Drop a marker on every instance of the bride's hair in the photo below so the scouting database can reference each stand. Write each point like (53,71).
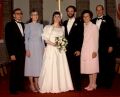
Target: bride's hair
(56,13)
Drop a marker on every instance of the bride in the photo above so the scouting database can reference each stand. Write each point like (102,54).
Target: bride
(55,76)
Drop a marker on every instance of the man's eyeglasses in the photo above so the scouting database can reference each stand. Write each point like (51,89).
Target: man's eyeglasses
(19,13)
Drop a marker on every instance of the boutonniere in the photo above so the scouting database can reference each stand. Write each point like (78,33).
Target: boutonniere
(75,24)
(103,20)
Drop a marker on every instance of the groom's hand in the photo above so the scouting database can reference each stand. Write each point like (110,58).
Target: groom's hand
(77,53)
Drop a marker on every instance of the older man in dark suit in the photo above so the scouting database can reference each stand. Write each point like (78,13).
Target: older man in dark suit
(74,35)
(106,47)
(14,38)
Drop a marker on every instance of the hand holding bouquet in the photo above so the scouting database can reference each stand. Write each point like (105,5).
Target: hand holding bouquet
(61,43)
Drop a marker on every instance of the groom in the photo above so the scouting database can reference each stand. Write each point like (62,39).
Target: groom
(74,35)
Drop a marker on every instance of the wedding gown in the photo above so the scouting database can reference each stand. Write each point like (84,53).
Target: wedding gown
(55,75)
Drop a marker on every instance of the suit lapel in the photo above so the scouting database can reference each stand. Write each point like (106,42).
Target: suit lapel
(102,23)
(66,31)
(23,28)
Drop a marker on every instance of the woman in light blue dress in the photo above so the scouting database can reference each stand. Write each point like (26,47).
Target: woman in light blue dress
(34,50)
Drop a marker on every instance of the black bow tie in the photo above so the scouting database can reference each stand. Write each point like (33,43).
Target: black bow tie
(99,18)
(19,22)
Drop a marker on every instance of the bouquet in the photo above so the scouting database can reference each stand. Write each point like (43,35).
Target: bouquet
(61,43)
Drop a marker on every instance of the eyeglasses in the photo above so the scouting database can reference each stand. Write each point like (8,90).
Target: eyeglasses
(19,13)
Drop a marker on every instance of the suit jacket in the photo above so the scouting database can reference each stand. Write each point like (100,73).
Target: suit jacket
(106,33)
(14,39)
(75,37)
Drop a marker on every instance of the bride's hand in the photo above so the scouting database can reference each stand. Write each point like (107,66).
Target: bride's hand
(50,43)
(54,44)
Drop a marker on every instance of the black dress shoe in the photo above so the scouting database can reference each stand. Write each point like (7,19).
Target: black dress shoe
(13,92)
(22,89)
(107,86)
(77,89)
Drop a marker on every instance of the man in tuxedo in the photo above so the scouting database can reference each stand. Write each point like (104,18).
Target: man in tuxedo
(106,47)
(14,38)
(74,35)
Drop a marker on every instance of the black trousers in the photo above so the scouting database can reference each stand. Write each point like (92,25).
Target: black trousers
(107,70)
(74,66)
(16,81)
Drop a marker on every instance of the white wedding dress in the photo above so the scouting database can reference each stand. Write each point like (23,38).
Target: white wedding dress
(55,76)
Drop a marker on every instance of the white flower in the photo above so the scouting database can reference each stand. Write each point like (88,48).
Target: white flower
(104,20)
(75,24)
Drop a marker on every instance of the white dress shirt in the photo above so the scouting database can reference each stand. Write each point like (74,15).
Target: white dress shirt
(20,27)
(98,22)
(69,24)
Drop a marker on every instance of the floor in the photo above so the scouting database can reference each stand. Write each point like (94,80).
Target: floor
(99,92)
